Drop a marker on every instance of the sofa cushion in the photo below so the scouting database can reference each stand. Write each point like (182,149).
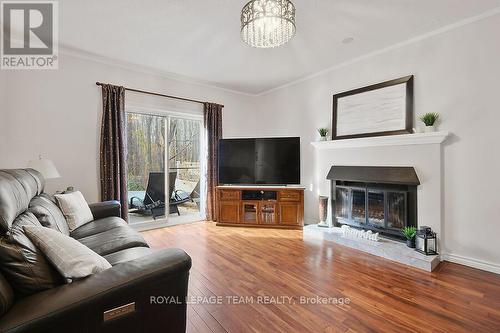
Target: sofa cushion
(127,255)
(75,209)
(17,188)
(47,212)
(98,226)
(71,258)
(6,295)
(22,263)
(113,240)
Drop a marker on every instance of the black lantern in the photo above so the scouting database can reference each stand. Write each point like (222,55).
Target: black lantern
(426,241)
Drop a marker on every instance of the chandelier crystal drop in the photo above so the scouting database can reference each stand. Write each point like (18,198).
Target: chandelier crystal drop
(267,23)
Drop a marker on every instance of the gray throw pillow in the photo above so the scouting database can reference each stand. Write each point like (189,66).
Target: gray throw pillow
(75,209)
(71,258)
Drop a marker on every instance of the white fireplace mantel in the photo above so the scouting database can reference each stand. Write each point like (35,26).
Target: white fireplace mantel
(381,141)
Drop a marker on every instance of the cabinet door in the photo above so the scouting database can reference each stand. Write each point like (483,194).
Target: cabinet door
(289,213)
(229,212)
(268,213)
(250,212)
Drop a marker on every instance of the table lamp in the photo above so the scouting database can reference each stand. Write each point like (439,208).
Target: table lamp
(45,167)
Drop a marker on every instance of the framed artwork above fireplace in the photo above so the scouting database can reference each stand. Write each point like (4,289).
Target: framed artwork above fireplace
(381,109)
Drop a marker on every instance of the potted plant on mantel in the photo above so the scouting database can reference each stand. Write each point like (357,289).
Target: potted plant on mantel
(430,119)
(409,233)
(323,133)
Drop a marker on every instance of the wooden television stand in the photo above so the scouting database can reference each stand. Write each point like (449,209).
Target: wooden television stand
(261,206)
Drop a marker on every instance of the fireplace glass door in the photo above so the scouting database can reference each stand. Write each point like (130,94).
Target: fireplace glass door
(396,210)
(358,205)
(376,208)
(343,203)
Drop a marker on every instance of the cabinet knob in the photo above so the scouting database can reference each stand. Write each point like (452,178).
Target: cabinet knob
(261,192)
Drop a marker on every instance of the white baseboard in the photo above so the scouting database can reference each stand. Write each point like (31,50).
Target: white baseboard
(474,263)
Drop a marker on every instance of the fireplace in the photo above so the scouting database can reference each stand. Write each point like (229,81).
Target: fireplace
(381,199)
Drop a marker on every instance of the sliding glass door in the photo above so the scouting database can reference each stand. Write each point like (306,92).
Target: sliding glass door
(164,167)
(184,168)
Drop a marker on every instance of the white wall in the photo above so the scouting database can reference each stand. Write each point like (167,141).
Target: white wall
(58,114)
(456,74)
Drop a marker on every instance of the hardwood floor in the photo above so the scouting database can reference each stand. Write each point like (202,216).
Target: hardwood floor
(384,296)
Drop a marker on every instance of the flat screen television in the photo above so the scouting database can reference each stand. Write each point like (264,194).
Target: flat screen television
(267,161)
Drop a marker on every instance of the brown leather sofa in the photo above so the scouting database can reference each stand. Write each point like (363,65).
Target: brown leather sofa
(33,296)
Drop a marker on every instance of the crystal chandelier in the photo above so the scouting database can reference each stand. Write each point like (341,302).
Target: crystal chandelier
(267,23)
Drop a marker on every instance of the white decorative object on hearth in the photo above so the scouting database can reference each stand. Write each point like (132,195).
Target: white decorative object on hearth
(357,233)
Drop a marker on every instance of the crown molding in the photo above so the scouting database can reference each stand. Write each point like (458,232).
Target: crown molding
(84,55)
(413,40)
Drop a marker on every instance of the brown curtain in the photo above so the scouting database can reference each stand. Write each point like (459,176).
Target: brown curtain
(212,116)
(113,165)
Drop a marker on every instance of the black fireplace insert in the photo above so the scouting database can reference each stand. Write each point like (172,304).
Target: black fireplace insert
(381,199)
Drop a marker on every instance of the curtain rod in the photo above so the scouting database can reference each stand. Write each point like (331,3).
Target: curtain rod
(161,95)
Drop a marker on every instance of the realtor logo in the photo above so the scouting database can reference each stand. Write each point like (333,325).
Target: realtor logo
(29,35)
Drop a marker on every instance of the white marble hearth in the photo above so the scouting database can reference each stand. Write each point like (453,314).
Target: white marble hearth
(385,248)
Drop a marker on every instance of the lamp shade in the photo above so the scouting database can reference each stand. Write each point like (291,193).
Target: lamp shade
(45,167)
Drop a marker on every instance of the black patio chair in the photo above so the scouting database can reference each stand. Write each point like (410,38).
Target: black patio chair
(154,199)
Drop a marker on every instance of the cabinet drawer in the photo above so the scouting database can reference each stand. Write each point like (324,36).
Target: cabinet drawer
(289,196)
(229,194)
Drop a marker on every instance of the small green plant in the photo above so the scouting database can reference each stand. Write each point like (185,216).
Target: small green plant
(323,132)
(430,118)
(409,232)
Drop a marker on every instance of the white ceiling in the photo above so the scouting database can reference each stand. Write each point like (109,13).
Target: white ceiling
(200,38)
